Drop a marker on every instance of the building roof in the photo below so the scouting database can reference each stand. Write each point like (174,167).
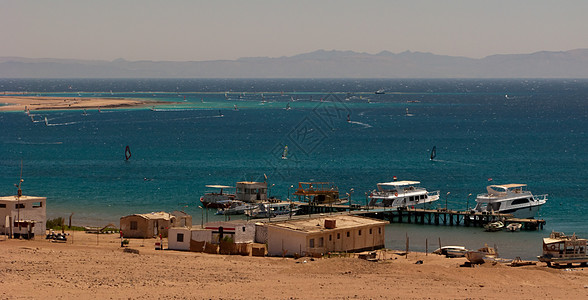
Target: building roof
(22,198)
(153,216)
(318,224)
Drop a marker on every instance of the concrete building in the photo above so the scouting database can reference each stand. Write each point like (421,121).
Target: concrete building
(153,224)
(325,234)
(23,216)
(249,191)
(180,238)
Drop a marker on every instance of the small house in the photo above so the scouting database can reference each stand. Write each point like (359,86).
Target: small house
(184,238)
(152,224)
(239,231)
(325,234)
(23,216)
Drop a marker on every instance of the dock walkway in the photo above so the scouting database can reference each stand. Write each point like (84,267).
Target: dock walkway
(422,216)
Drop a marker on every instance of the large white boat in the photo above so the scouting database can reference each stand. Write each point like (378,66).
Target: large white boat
(235,207)
(217,199)
(509,199)
(246,191)
(272,209)
(398,194)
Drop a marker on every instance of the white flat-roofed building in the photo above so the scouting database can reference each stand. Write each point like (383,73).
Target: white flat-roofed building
(249,191)
(23,216)
(325,234)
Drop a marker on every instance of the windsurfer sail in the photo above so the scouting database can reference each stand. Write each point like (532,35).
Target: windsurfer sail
(433,152)
(46,122)
(127,152)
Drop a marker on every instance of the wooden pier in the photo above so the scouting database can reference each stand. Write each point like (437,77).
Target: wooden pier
(423,216)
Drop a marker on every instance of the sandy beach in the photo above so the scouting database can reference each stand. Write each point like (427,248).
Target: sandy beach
(95,266)
(18,103)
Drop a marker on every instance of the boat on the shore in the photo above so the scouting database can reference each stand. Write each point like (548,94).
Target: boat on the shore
(217,199)
(482,254)
(401,194)
(451,251)
(509,199)
(560,249)
(380,92)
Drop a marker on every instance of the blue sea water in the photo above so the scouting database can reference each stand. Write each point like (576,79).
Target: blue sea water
(510,131)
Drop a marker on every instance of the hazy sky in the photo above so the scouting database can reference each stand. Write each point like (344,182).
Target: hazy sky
(208,30)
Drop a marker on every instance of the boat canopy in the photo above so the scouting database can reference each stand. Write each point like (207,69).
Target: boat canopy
(216,186)
(400,183)
(316,188)
(503,188)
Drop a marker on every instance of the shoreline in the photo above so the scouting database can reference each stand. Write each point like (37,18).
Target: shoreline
(44,103)
(95,265)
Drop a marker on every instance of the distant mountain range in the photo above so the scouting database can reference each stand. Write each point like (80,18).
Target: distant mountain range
(317,64)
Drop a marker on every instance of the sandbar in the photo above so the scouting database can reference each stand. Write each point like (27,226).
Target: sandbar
(95,266)
(19,103)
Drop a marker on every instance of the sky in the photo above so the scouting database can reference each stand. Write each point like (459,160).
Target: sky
(183,30)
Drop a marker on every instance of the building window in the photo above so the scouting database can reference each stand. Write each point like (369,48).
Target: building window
(359,232)
(243,228)
(180,237)
(338,236)
(37,204)
(321,242)
(330,237)
(2,205)
(347,233)
(20,205)
(134,225)
(311,243)
(379,230)
(370,231)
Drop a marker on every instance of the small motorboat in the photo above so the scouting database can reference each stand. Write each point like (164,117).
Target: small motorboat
(512,227)
(494,226)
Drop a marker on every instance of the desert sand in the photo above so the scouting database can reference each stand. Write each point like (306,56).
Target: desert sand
(95,266)
(18,103)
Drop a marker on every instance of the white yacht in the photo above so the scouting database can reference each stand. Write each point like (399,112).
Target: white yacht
(246,191)
(510,199)
(217,199)
(271,210)
(397,194)
(235,207)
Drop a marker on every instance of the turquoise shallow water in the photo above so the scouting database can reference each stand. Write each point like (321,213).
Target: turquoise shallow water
(513,131)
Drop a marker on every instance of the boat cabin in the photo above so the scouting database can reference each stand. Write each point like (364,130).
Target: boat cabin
(561,249)
(249,191)
(317,192)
